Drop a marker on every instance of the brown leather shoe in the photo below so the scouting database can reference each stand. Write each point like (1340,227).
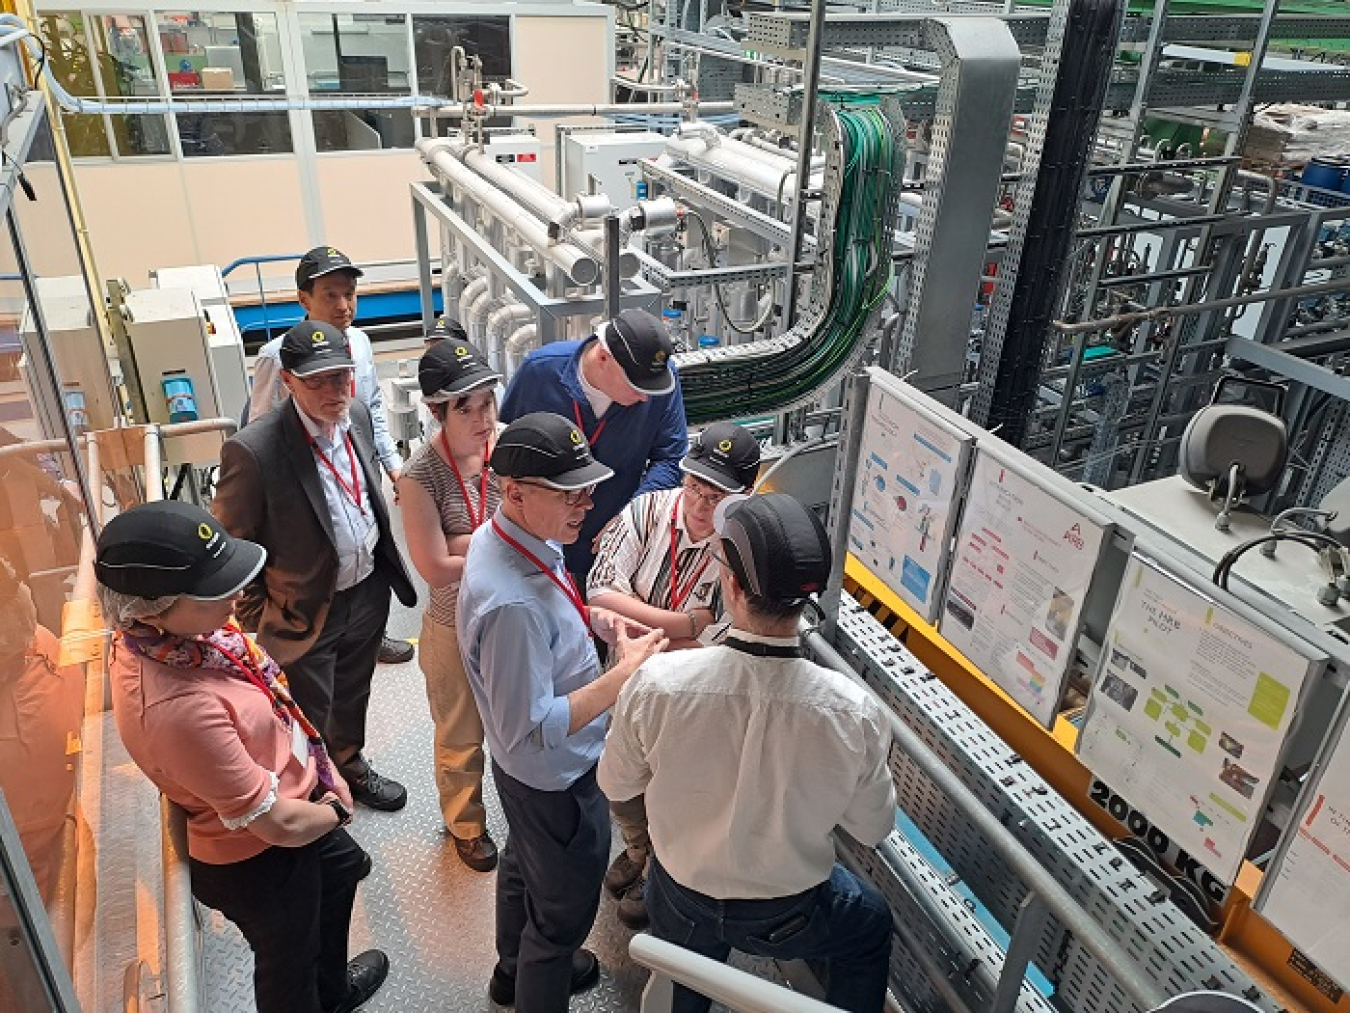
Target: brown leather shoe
(478,853)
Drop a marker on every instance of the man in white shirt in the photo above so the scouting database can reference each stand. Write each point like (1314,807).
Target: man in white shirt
(749,756)
(325,282)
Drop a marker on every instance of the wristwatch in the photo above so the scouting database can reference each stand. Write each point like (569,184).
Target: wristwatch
(344,814)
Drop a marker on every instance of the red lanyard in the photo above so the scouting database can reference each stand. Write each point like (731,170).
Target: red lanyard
(594,438)
(353,491)
(278,708)
(569,589)
(475,521)
(678,595)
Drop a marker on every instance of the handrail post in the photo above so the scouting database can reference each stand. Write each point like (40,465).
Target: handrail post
(1032,914)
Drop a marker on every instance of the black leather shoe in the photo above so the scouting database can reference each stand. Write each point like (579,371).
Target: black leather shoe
(376,792)
(365,975)
(367,864)
(395,652)
(478,853)
(585,973)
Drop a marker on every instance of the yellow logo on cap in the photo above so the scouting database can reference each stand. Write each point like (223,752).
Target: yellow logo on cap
(318,338)
(576,438)
(659,359)
(724,446)
(461,351)
(333,253)
(204,532)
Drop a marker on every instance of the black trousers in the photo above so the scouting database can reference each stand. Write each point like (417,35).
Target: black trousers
(294,906)
(548,884)
(331,683)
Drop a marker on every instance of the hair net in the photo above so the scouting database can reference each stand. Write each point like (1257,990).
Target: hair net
(122,610)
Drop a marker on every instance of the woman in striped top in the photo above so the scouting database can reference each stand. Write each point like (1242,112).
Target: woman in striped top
(446,491)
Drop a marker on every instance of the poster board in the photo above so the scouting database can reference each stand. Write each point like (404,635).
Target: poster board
(1190,711)
(912,466)
(1021,570)
(1306,892)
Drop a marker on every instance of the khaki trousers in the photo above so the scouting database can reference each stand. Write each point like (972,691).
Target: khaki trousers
(459,731)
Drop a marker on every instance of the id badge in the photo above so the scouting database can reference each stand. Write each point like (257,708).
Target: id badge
(299,744)
(372,539)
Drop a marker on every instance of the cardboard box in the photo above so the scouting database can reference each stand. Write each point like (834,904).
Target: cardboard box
(218,79)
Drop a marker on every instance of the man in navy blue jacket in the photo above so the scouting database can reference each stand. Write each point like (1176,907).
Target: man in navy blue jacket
(621,390)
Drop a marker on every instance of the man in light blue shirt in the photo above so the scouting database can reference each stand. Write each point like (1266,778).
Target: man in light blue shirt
(525,635)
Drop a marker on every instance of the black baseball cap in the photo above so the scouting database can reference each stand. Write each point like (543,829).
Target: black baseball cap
(547,447)
(452,368)
(320,261)
(445,327)
(168,548)
(312,346)
(776,547)
(643,348)
(724,455)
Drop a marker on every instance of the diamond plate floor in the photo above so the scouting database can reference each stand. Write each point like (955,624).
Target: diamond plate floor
(431,914)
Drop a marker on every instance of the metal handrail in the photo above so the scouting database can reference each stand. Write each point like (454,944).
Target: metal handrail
(1044,891)
(733,988)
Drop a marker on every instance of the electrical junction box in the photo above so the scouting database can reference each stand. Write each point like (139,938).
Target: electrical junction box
(225,343)
(516,150)
(611,159)
(80,358)
(167,333)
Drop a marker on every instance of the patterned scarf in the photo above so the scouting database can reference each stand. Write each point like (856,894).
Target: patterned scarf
(217,652)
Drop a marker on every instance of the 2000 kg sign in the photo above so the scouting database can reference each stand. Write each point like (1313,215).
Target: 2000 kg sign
(1158,842)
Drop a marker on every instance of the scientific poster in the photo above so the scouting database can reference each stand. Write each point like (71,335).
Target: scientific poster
(1023,563)
(1307,894)
(1189,714)
(909,469)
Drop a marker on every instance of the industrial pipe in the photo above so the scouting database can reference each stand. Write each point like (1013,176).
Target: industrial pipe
(517,345)
(561,215)
(475,318)
(500,323)
(1158,312)
(470,295)
(456,110)
(579,266)
(751,167)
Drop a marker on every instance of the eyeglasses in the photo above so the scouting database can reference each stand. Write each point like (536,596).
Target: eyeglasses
(339,379)
(711,498)
(569,496)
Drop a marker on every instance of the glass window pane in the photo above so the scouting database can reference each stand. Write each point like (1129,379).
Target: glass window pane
(207,51)
(362,54)
(207,134)
(434,39)
(140,135)
(42,517)
(63,35)
(363,129)
(124,60)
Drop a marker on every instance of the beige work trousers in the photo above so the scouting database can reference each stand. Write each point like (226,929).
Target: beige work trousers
(459,731)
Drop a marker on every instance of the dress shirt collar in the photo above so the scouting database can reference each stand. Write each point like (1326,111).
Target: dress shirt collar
(756,638)
(315,430)
(548,551)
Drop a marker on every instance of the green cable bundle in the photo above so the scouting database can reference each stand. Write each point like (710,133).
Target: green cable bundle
(852,277)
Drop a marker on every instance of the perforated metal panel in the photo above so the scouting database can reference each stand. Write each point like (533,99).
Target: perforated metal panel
(1169,949)
(951,934)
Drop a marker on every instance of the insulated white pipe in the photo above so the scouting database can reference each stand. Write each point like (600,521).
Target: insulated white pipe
(581,267)
(471,294)
(542,112)
(521,340)
(477,313)
(501,322)
(739,162)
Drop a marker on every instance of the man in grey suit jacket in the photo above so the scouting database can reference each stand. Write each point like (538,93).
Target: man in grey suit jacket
(304,482)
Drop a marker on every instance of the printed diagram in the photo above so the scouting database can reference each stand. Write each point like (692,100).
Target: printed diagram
(906,478)
(1180,719)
